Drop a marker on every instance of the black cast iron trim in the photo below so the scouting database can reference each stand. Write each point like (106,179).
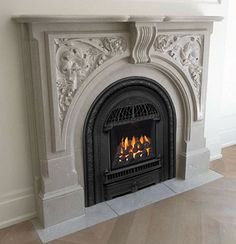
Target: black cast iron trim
(91,117)
(131,114)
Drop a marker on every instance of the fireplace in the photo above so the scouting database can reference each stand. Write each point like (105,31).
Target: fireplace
(129,139)
(115,104)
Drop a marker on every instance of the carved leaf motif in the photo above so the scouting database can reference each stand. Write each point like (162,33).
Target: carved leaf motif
(114,45)
(186,50)
(76,59)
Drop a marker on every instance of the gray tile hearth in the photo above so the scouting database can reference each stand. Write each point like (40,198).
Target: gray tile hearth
(124,204)
(180,185)
(139,199)
(93,215)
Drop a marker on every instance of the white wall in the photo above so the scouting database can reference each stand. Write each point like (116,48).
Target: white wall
(221,103)
(216,68)
(16,191)
(228,95)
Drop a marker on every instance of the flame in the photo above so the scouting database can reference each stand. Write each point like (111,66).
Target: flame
(133,141)
(146,139)
(126,143)
(137,148)
(141,140)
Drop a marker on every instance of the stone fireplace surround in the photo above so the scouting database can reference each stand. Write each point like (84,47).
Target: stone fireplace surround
(70,60)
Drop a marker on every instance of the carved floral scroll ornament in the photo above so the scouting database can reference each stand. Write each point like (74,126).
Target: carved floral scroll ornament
(76,59)
(185,50)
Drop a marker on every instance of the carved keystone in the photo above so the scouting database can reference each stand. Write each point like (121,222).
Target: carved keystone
(143,37)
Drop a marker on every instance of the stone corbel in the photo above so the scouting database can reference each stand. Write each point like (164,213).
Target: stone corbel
(143,37)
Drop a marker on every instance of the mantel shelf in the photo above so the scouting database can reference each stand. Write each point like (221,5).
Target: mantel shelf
(114,18)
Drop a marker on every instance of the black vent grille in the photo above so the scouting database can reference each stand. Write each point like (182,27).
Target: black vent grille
(130,113)
(132,171)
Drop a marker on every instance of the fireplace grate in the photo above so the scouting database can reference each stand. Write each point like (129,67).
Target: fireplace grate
(131,171)
(131,113)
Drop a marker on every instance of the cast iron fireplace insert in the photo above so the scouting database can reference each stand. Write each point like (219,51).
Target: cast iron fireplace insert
(129,137)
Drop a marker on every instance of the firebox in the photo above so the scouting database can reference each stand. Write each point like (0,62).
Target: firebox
(129,138)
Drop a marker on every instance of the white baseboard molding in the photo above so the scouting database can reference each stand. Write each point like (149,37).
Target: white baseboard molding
(17,220)
(228,137)
(229,144)
(215,157)
(16,207)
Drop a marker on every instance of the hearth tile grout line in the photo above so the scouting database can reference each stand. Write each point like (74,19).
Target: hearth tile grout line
(170,188)
(112,209)
(171,194)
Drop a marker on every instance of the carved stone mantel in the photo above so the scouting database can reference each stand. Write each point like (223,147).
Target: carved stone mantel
(69,60)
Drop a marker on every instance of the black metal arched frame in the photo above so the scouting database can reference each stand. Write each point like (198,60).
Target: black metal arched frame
(142,82)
